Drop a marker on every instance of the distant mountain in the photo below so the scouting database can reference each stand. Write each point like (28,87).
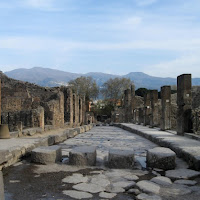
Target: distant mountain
(53,77)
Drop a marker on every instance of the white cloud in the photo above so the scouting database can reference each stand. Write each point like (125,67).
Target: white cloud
(145,2)
(184,64)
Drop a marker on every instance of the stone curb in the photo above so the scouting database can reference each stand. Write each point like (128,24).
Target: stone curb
(190,153)
(10,156)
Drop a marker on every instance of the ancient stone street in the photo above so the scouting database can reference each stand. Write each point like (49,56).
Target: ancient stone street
(63,181)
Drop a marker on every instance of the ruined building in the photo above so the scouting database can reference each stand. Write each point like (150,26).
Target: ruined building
(180,112)
(25,105)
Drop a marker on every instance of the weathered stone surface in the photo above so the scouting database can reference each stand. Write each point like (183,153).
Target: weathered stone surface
(77,195)
(161,180)
(162,158)
(175,189)
(185,182)
(75,178)
(89,187)
(121,159)
(134,191)
(144,196)
(182,174)
(149,187)
(4,156)
(2,197)
(100,180)
(85,155)
(124,184)
(45,155)
(107,195)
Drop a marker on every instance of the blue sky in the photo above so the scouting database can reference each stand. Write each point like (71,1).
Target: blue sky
(158,37)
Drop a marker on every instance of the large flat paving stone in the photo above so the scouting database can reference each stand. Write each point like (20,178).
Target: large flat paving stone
(162,158)
(84,155)
(144,196)
(45,155)
(182,174)
(148,186)
(121,159)
(77,195)
(161,180)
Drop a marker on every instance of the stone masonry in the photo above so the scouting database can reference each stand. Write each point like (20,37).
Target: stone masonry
(128,105)
(184,102)
(147,109)
(165,123)
(0,101)
(154,108)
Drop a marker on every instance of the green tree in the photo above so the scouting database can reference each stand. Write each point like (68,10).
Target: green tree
(141,92)
(85,86)
(114,88)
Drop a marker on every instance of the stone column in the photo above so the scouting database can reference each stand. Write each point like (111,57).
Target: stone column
(147,109)
(69,107)
(127,105)
(2,197)
(132,98)
(141,116)
(154,108)
(0,101)
(166,108)
(83,110)
(76,109)
(80,110)
(184,103)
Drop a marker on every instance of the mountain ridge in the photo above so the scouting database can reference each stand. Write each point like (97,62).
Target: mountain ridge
(53,77)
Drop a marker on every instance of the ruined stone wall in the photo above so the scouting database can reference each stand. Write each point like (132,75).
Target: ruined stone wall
(20,99)
(0,101)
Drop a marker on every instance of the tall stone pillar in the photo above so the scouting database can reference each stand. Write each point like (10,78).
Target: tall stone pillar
(147,109)
(166,108)
(127,105)
(0,101)
(141,116)
(77,110)
(83,109)
(184,103)
(154,108)
(132,98)
(74,109)
(80,110)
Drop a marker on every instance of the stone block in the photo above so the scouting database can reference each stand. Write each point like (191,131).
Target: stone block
(162,158)
(2,197)
(45,155)
(85,155)
(121,159)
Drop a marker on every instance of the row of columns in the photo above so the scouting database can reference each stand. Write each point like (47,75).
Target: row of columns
(149,114)
(75,108)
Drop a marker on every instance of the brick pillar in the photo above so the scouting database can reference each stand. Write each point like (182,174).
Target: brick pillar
(80,110)
(154,108)
(147,109)
(127,105)
(166,108)
(184,103)
(0,101)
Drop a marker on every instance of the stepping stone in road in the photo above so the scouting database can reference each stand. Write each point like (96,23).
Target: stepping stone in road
(121,159)
(162,158)
(83,156)
(45,155)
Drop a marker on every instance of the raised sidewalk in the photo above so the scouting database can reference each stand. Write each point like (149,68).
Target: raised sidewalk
(188,149)
(11,150)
